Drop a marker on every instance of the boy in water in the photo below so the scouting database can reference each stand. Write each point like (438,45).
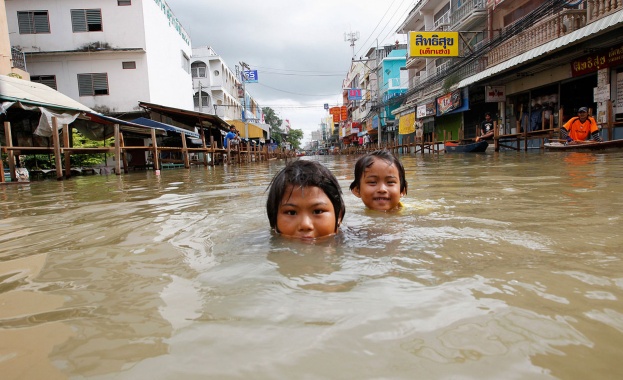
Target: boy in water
(305,201)
(379,181)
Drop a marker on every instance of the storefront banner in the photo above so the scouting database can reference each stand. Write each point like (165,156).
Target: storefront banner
(448,102)
(344,113)
(494,94)
(354,94)
(336,112)
(426,109)
(406,124)
(421,111)
(594,62)
(433,44)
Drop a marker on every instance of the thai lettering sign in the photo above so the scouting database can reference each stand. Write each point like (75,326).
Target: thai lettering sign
(426,109)
(433,44)
(406,124)
(336,112)
(344,113)
(594,62)
(354,94)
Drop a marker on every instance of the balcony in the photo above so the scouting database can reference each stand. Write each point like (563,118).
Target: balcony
(395,84)
(598,9)
(469,14)
(547,30)
(443,23)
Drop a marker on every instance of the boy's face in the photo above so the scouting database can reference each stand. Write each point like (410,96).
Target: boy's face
(306,213)
(379,188)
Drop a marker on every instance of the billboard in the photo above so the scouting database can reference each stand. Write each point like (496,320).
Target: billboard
(354,94)
(250,76)
(433,44)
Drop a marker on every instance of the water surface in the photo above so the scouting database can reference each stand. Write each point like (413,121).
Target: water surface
(500,266)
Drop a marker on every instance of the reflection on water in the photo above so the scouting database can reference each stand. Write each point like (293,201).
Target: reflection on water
(500,266)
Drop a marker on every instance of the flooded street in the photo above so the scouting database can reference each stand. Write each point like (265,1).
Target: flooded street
(504,265)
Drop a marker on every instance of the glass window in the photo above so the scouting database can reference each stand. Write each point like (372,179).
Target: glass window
(129,65)
(198,69)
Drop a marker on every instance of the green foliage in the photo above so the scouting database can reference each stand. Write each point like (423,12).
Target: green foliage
(271,118)
(294,138)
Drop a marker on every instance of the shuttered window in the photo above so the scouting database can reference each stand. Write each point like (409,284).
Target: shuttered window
(48,80)
(86,20)
(92,84)
(129,65)
(33,22)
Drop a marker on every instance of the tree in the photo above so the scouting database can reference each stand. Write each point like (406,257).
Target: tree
(294,138)
(271,118)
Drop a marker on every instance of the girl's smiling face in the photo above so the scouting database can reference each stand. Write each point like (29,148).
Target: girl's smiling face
(379,188)
(306,213)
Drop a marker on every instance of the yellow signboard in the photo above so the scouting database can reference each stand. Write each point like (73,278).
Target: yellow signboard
(406,124)
(433,44)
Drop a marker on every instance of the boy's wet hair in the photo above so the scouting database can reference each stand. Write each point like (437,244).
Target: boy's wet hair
(366,161)
(304,173)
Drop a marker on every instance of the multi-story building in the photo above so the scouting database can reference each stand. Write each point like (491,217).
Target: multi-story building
(107,55)
(530,63)
(12,61)
(220,91)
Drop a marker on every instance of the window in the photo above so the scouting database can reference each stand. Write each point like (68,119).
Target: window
(185,62)
(48,80)
(86,20)
(205,100)
(33,22)
(198,69)
(124,2)
(92,84)
(128,65)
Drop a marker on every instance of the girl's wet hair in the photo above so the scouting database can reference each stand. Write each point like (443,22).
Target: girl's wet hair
(366,161)
(304,173)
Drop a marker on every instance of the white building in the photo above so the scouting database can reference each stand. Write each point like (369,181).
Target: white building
(215,85)
(107,55)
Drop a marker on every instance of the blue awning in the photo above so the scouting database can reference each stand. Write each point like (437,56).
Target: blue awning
(167,127)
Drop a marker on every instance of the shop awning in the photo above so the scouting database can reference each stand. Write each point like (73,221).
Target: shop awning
(548,48)
(167,127)
(255,129)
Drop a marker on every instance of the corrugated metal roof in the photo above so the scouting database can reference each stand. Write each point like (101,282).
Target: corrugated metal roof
(549,47)
(156,124)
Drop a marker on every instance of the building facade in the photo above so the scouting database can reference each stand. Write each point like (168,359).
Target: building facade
(107,55)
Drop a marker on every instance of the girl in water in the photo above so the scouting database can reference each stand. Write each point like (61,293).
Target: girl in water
(379,181)
(305,201)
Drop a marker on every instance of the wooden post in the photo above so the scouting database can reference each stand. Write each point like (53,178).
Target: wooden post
(185,151)
(66,153)
(57,149)
(213,150)
(124,157)
(205,148)
(9,143)
(609,118)
(228,153)
(496,137)
(154,145)
(117,151)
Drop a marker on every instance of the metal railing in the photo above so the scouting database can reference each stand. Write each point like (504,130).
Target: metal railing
(18,58)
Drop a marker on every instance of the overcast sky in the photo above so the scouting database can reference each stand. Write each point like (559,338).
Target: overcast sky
(297,46)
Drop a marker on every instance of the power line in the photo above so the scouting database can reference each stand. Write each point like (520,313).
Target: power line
(294,93)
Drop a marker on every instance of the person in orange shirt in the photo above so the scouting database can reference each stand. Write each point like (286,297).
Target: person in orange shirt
(580,128)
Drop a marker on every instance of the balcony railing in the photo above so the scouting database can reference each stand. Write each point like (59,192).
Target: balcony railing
(601,8)
(18,58)
(442,23)
(549,29)
(467,9)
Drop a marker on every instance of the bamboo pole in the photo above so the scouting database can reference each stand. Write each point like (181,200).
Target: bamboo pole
(11,158)
(57,149)
(117,151)
(67,154)
(154,145)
